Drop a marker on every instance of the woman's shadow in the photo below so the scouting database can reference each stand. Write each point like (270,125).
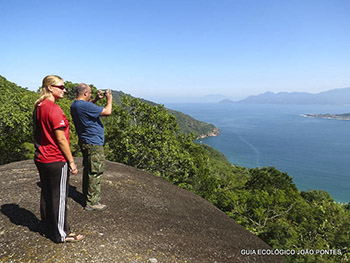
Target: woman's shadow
(23,217)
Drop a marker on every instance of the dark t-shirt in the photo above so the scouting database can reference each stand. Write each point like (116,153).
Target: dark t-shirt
(87,123)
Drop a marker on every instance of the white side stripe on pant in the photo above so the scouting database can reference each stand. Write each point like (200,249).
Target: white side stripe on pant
(62,203)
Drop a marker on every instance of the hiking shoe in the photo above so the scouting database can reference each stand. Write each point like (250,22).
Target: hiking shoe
(98,207)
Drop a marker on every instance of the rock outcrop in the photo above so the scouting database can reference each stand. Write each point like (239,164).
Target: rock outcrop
(148,220)
(213,133)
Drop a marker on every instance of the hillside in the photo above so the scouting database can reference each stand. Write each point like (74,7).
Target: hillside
(331,97)
(187,124)
(148,220)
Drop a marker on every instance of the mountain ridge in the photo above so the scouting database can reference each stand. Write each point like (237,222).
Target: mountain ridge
(339,96)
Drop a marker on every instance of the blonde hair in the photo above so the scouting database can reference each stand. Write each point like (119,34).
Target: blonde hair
(44,91)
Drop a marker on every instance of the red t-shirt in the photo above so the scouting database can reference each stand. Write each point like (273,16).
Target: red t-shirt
(48,117)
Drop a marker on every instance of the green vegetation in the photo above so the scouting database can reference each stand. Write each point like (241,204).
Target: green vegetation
(265,201)
(186,123)
(16,107)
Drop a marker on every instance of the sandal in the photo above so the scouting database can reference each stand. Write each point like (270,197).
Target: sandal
(72,237)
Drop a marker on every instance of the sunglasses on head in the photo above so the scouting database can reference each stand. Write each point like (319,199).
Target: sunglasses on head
(62,87)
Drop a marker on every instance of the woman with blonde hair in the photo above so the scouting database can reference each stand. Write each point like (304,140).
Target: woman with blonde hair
(53,159)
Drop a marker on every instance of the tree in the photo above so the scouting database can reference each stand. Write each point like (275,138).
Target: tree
(16,109)
(145,137)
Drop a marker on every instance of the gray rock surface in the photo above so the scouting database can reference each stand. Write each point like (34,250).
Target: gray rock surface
(147,220)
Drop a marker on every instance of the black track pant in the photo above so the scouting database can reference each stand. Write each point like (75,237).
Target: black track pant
(54,179)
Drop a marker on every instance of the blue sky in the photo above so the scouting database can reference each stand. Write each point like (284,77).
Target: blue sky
(163,50)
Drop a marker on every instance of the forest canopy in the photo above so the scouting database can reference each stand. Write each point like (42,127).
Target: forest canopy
(145,135)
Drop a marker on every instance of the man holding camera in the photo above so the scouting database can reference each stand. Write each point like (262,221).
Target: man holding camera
(90,130)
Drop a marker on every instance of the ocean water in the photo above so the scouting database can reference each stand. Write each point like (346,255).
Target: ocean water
(314,152)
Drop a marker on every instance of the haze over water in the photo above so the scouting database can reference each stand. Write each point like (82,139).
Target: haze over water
(315,152)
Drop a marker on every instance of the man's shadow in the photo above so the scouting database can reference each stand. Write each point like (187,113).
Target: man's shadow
(72,193)
(23,217)
(76,195)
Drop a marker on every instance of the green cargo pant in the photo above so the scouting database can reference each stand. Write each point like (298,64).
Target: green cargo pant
(93,163)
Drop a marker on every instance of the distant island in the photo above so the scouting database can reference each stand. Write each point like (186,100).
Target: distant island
(343,116)
(331,97)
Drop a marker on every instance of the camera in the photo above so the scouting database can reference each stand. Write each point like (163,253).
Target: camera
(103,93)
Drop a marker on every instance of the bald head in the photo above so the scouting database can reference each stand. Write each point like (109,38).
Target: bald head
(83,91)
(82,87)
